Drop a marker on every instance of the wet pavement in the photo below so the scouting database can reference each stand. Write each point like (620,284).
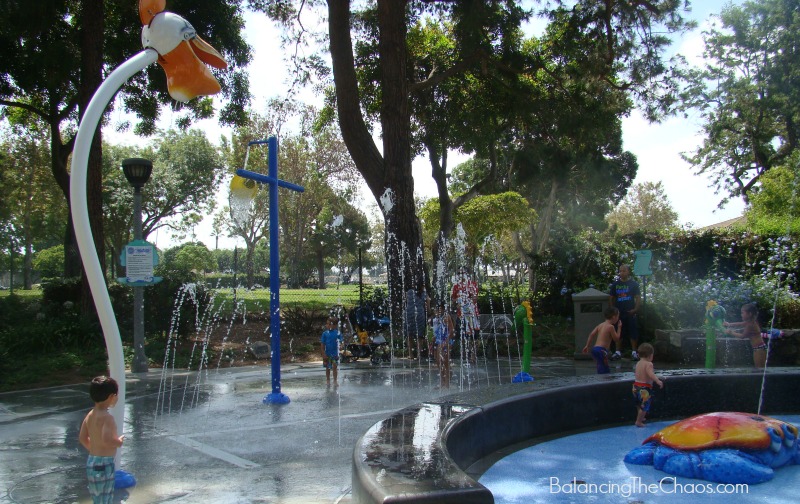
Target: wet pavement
(207,437)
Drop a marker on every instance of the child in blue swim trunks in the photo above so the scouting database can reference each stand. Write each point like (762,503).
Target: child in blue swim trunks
(605,332)
(644,377)
(99,436)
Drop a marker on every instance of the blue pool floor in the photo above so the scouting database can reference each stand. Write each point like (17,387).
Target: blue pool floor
(589,467)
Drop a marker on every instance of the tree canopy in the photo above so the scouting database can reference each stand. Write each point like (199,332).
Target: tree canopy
(773,206)
(56,55)
(645,208)
(395,71)
(748,94)
(187,171)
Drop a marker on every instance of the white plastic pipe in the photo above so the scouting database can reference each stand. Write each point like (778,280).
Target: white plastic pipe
(80,219)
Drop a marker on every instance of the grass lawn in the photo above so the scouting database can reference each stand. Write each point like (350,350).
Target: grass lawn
(28,294)
(311,299)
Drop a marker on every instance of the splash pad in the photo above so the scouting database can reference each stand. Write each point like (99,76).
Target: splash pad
(468,429)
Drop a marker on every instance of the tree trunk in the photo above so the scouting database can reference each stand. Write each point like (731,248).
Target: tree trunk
(248,261)
(389,176)
(446,207)
(91,43)
(320,269)
(27,267)
(27,263)
(59,154)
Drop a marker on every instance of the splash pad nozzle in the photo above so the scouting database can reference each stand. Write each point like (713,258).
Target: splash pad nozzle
(523,317)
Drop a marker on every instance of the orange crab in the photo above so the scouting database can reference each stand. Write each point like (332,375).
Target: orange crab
(723,447)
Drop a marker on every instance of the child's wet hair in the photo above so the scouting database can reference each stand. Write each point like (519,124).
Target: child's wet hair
(610,312)
(751,308)
(645,350)
(103,387)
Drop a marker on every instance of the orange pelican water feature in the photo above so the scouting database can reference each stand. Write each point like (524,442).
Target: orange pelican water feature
(181,52)
(172,42)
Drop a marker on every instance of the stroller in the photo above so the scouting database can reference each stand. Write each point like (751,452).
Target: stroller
(369,340)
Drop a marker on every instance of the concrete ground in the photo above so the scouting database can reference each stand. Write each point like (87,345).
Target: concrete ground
(208,438)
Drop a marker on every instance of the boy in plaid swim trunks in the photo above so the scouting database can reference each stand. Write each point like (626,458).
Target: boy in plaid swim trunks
(644,376)
(99,436)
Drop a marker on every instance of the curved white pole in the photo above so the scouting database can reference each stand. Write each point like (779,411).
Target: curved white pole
(80,219)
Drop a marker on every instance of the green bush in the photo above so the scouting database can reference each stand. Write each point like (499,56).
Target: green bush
(682,305)
(50,262)
(57,291)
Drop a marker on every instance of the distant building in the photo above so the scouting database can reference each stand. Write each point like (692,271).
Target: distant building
(740,221)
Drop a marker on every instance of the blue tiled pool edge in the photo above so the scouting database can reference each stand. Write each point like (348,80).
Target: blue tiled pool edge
(419,454)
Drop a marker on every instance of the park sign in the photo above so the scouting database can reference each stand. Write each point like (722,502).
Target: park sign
(641,266)
(139,259)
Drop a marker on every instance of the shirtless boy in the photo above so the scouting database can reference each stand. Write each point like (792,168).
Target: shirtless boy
(644,377)
(605,332)
(99,436)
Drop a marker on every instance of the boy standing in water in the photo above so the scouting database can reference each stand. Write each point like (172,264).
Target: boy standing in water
(749,328)
(330,349)
(605,332)
(99,435)
(644,376)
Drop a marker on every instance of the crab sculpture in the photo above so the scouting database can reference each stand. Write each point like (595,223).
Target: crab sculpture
(721,447)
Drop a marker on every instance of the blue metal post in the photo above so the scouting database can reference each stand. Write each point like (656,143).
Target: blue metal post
(276,397)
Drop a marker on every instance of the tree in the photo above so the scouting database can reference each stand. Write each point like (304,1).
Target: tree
(748,95)
(61,49)
(195,258)
(645,208)
(36,209)
(315,158)
(570,189)
(774,206)
(187,171)
(387,172)
(485,221)
(224,258)
(337,232)
(320,162)
(117,201)
(603,35)
(50,262)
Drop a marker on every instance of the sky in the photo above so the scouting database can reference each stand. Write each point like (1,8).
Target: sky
(656,146)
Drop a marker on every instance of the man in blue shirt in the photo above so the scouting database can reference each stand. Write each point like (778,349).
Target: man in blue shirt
(625,296)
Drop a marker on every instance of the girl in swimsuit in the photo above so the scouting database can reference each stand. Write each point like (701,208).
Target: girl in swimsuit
(749,328)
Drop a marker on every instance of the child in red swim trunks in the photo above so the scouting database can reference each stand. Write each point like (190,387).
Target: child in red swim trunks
(644,376)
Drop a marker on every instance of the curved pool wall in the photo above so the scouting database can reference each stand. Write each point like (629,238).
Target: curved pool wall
(420,454)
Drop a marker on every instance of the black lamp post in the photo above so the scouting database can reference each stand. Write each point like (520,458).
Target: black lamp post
(138,171)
